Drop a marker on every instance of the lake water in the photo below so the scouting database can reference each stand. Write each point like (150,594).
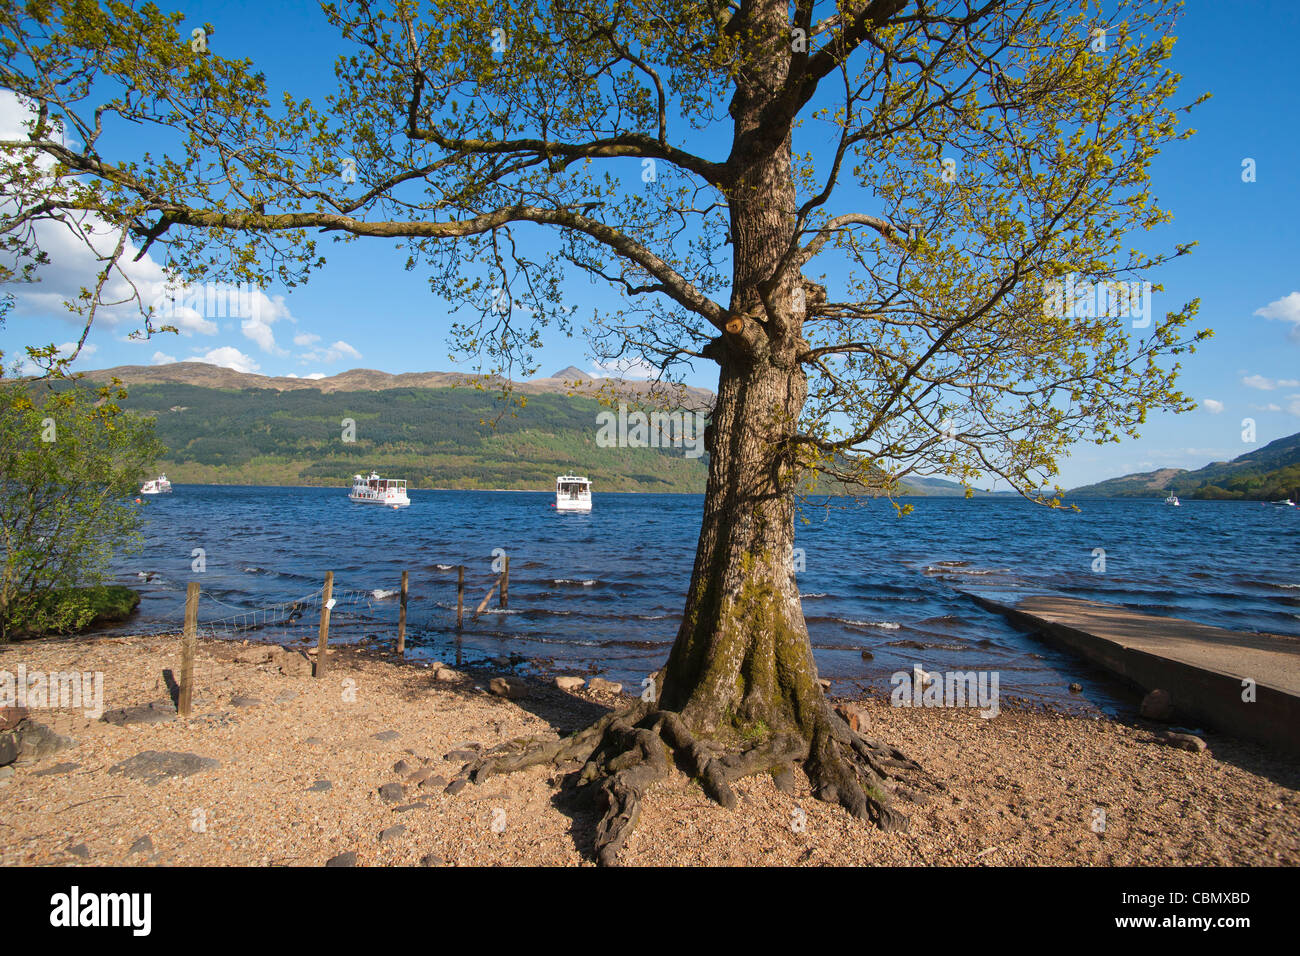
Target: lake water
(602,592)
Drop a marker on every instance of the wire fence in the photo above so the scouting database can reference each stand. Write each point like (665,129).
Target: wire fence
(354,614)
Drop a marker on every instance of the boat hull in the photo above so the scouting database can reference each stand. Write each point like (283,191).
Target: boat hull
(569,505)
(386,502)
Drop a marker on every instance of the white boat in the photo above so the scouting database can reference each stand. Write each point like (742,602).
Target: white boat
(1173,500)
(156,486)
(572,493)
(379,491)
(1285,503)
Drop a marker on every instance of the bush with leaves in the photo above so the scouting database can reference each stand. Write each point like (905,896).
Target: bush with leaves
(69,462)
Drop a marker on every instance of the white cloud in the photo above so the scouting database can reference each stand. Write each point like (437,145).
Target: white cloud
(1285,309)
(627,369)
(228,357)
(1294,406)
(315,375)
(1270,407)
(1212,406)
(267,311)
(74,263)
(333,353)
(73,258)
(162,358)
(304,339)
(1266,384)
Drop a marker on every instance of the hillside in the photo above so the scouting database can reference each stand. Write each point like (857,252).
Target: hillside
(1265,474)
(567,381)
(227,427)
(224,431)
(945,488)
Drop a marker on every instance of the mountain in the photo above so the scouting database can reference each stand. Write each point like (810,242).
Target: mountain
(1265,474)
(943,488)
(567,381)
(229,427)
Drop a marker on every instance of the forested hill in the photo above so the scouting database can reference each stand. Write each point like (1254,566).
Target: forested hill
(1269,473)
(432,437)
(227,427)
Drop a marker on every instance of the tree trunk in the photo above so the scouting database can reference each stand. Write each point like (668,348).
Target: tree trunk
(742,660)
(739,693)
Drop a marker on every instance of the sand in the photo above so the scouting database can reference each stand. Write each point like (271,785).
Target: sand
(1025,787)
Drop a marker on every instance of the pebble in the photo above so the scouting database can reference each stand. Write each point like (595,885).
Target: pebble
(245,702)
(142,845)
(505,687)
(386,735)
(432,859)
(570,683)
(456,786)
(343,859)
(80,850)
(145,714)
(392,833)
(1183,741)
(392,792)
(1157,705)
(418,777)
(320,786)
(153,766)
(58,768)
(601,686)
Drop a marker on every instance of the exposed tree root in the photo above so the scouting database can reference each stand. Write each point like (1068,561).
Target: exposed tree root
(626,751)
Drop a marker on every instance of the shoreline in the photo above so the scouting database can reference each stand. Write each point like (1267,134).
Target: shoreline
(1022,788)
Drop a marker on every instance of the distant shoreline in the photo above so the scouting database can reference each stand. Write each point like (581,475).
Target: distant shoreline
(984,496)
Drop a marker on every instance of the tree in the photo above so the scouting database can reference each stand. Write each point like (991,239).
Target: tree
(68,463)
(863,214)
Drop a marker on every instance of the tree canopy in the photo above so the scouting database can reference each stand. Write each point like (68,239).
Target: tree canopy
(949,161)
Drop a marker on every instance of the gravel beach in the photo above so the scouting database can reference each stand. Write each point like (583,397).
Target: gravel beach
(275,767)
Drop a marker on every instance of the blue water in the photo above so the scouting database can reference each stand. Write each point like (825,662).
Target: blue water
(602,592)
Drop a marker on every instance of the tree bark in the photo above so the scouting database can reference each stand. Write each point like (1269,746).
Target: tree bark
(739,694)
(742,658)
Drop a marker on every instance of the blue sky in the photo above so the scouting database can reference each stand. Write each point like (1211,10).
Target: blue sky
(1245,268)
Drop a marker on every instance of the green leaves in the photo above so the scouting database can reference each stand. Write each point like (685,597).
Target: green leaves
(70,460)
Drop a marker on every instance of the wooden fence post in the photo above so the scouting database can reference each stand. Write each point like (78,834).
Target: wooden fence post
(327,598)
(487,597)
(401,620)
(505,583)
(189,642)
(460,596)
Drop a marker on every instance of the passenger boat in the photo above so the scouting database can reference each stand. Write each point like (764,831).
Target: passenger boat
(379,491)
(1285,503)
(1173,500)
(156,486)
(572,493)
